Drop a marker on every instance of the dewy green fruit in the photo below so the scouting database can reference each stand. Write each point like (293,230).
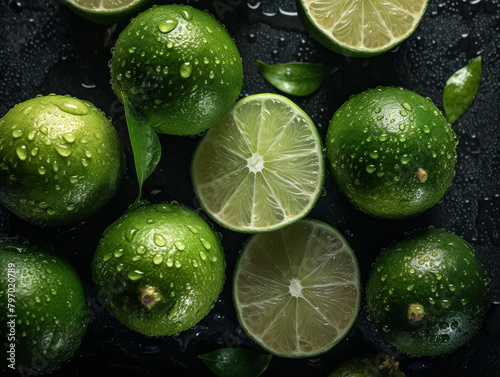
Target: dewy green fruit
(159,269)
(43,309)
(178,67)
(428,294)
(391,152)
(61,160)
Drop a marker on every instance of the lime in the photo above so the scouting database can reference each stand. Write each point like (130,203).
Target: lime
(392,152)
(61,160)
(361,28)
(428,294)
(380,365)
(261,167)
(178,67)
(43,309)
(106,12)
(296,290)
(159,269)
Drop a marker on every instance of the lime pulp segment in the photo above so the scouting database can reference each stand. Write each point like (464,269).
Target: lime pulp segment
(103,5)
(296,290)
(261,167)
(365,25)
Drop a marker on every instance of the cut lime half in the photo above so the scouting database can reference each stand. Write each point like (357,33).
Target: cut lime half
(261,167)
(361,27)
(297,290)
(106,11)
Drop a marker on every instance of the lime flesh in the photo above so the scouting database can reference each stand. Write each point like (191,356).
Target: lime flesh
(361,27)
(296,290)
(261,167)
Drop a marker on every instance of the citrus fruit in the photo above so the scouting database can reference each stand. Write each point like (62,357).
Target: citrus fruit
(296,290)
(261,167)
(61,160)
(159,269)
(43,309)
(391,152)
(428,294)
(106,12)
(178,67)
(361,28)
(380,365)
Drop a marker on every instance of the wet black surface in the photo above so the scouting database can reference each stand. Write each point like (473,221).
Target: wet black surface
(45,48)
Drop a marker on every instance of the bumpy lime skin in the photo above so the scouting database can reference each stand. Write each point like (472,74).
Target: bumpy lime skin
(183,79)
(391,152)
(50,308)
(438,271)
(60,160)
(170,249)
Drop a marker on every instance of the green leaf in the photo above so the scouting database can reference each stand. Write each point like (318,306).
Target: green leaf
(297,78)
(460,89)
(241,362)
(146,146)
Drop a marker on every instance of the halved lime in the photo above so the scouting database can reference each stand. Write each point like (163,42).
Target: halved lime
(106,11)
(296,290)
(361,27)
(261,167)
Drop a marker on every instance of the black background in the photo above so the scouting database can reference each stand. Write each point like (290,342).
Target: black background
(45,48)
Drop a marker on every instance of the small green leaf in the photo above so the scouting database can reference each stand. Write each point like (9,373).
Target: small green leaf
(146,146)
(297,79)
(460,89)
(241,362)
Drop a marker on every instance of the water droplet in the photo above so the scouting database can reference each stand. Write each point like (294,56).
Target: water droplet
(158,259)
(464,301)
(378,110)
(69,137)
(445,303)
(374,154)
(405,159)
(37,300)
(205,243)
(22,152)
(382,137)
(170,263)
(192,229)
(212,74)
(63,150)
(119,267)
(177,264)
(131,50)
(41,170)
(129,235)
(73,179)
(404,113)
(166,26)
(140,249)
(451,287)
(118,253)
(159,240)
(426,128)
(17,133)
(439,276)
(179,245)
(370,168)
(164,208)
(185,70)
(44,130)
(203,255)
(106,257)
(186,15)
(135,275)
(165,70)
(209,30)
(409,288)
(383,277)
(71,106)
(406,106)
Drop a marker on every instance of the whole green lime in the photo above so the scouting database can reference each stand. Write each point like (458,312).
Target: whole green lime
(391,152)
(61,160)
(428,294)
(159,269)
(178,67)
(43,309)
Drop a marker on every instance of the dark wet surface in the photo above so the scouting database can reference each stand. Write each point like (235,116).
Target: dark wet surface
(45,48)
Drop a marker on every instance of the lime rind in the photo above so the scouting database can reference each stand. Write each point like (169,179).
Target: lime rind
(387,35)
(266,278)
(237,164)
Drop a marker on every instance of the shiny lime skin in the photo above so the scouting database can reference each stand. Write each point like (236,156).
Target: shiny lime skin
(169,249)
(178,67)
(49,305)
(61,160)
(391,152)
(428,294)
